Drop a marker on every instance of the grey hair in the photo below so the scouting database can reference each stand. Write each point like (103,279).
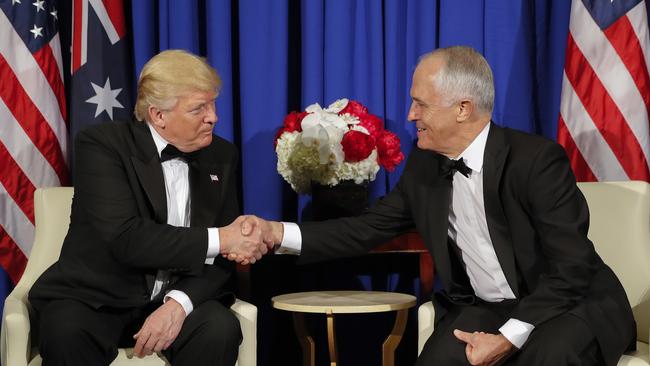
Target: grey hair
(465,74)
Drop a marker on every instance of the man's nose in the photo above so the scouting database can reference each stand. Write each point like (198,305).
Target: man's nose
(412,115)
(211,116)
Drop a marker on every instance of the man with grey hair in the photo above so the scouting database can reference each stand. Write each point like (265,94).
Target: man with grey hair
(154,209)
(505,223)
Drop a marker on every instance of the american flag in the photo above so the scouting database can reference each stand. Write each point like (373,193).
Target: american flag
(604,124)
(33,131)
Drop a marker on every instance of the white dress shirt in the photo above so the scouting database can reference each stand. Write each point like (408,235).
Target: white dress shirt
(177,189)
(468,228)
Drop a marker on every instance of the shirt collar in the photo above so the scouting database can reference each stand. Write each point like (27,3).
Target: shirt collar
(473,154)
(160,142)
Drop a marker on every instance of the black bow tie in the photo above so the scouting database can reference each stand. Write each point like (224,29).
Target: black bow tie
(448,167)
(171,152)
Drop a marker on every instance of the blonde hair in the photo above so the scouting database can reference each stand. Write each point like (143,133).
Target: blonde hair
(169,75)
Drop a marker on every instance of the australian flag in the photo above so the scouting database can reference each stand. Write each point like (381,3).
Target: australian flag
(101,64)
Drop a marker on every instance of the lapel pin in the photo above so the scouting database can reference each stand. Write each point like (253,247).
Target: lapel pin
(214,178)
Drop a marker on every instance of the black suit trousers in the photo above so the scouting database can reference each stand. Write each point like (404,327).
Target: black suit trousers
(72,333)
(562,341)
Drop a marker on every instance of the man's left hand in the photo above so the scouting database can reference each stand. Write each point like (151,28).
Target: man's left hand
(485,349)
(160,329)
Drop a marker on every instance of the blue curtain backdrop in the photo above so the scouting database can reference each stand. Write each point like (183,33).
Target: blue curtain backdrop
(281,55)
(276,56)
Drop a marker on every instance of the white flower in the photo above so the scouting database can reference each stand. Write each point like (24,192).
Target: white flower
(337,106)
(325,131)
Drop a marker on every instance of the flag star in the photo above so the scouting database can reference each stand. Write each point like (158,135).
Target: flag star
(36,31)
(14,2)
(105,98)
(39,5)
(54,13)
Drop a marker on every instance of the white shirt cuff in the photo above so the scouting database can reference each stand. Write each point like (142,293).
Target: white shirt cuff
(214,245)
(516,331)
(182,299)
(292,239)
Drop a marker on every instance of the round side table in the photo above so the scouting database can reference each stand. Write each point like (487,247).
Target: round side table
(345,302)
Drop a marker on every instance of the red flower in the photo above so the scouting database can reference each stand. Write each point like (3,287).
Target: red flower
(372,123)
(357,146)
(388,150)
(292,121)
(354,108)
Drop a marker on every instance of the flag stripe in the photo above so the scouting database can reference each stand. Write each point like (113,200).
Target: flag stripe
(12,258)
(16,183)
(77,42)
(104,18)
(587,137)
(605,114)
(31,120)
(16,224)
(114,8)
(83,26)
(24,67)
(638,17)
(55,45)
(46,61)
(30,160)
(608,67)
(624,41)
(580,166)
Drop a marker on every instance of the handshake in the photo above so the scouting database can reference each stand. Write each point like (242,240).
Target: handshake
(248,238)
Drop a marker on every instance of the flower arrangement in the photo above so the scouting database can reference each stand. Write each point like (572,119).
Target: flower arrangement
(341,142)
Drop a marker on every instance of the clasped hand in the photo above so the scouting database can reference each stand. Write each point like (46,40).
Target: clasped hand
(247,239)
(485,349)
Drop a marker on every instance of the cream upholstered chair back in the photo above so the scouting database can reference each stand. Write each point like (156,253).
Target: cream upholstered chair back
(52,216)
(619,227)
(52,208)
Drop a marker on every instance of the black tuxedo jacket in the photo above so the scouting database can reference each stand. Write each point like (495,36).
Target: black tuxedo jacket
(537,220)
(119,237)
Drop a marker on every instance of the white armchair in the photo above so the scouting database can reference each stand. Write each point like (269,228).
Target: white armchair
(620,230)
(52,213)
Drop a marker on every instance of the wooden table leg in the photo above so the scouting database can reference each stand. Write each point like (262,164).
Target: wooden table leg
(393,339)
(305,340)
(331,339)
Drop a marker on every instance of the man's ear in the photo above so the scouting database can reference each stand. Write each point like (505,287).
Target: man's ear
(156,116)
(465,110)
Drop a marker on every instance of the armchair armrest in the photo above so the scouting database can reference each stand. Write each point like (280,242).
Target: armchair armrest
(247,315)
(15,321)
(426,315)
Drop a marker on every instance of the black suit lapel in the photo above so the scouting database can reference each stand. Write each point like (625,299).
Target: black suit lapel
(496,152)
(146,164)
(435,197)
(205,185)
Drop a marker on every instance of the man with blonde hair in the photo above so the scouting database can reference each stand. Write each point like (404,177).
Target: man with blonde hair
(154,210)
